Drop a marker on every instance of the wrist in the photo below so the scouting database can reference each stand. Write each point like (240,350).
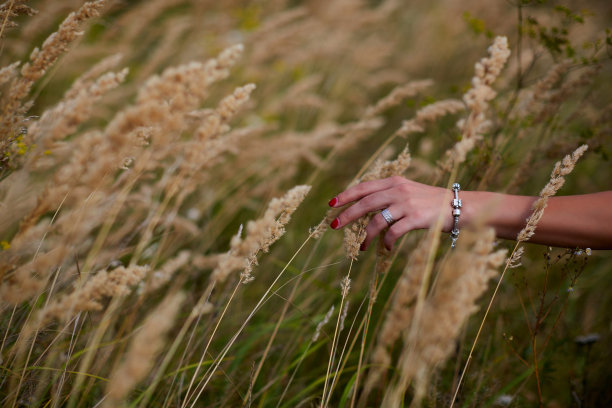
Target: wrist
(506,213)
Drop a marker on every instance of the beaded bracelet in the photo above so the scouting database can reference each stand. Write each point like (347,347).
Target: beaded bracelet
(456,204)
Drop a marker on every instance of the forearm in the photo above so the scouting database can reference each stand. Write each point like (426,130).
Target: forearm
(568,221)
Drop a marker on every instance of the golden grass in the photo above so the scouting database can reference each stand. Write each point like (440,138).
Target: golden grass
(162,161)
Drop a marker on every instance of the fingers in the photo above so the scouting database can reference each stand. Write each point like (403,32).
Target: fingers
(364,189)
(396,194)
(373,202)
(397,230)
(377,224)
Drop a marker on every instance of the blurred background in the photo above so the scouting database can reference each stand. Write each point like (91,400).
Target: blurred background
(319,67)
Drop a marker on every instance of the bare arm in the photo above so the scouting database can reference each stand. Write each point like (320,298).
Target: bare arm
(570,221)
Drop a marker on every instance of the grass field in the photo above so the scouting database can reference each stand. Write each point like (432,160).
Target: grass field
(165,168)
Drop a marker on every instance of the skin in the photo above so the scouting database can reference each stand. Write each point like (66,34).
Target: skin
(583,221)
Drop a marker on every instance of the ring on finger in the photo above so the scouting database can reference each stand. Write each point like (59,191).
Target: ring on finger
(387,216)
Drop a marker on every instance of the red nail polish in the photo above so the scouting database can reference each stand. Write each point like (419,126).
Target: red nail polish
(333,201)
(335,223)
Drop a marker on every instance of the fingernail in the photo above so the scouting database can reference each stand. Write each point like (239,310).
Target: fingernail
(335,224)
(333,201)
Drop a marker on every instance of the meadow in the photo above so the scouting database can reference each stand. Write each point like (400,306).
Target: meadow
(165,172)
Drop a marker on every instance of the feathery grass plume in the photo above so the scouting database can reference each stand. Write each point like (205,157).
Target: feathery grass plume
(322,323)
(13,8)
(354,235)
(400,313)
(97,154)
(30,278)
(184,77)
(209,132)
(556,98)
(299,146)
(278,20)
(207,146)
(542,88)
(93,74)
(161,276)
(397,95)
(477,99)
(428,114)
(137,19)
(260,235)
(230,104)
(76,107)
(165,100)
(301,94)
(515,259)
(463,278)
(345,286)
(356,132)
(8,73)
(557,179)
(345,307)
(317,231)
(83,173)
(12,108)
(88,297)
(389,168)
(144,348)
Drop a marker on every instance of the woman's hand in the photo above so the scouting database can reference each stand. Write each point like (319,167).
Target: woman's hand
(413,206)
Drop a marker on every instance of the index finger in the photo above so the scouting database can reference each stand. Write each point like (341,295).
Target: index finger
(361,190)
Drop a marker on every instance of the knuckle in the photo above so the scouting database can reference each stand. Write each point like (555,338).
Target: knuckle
(397,179)
(358,189)
(404,188)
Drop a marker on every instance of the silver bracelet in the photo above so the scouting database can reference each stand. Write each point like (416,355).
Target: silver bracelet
(456,204)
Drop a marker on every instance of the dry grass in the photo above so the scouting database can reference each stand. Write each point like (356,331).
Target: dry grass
(165,167)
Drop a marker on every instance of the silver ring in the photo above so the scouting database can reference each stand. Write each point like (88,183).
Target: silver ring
(387,216)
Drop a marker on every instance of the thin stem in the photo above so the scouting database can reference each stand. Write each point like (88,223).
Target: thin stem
(263,299)
(484,318)
(334,343)
(535,368)
(363,339)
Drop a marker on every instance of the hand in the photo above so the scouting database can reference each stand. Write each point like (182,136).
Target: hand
(413,206)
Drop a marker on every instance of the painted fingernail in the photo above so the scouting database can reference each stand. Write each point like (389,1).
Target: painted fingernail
(335,224)
(333,201)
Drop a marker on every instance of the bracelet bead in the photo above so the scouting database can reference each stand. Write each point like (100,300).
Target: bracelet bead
(456,204)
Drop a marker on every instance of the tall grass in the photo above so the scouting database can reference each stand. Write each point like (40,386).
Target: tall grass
(165,168)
